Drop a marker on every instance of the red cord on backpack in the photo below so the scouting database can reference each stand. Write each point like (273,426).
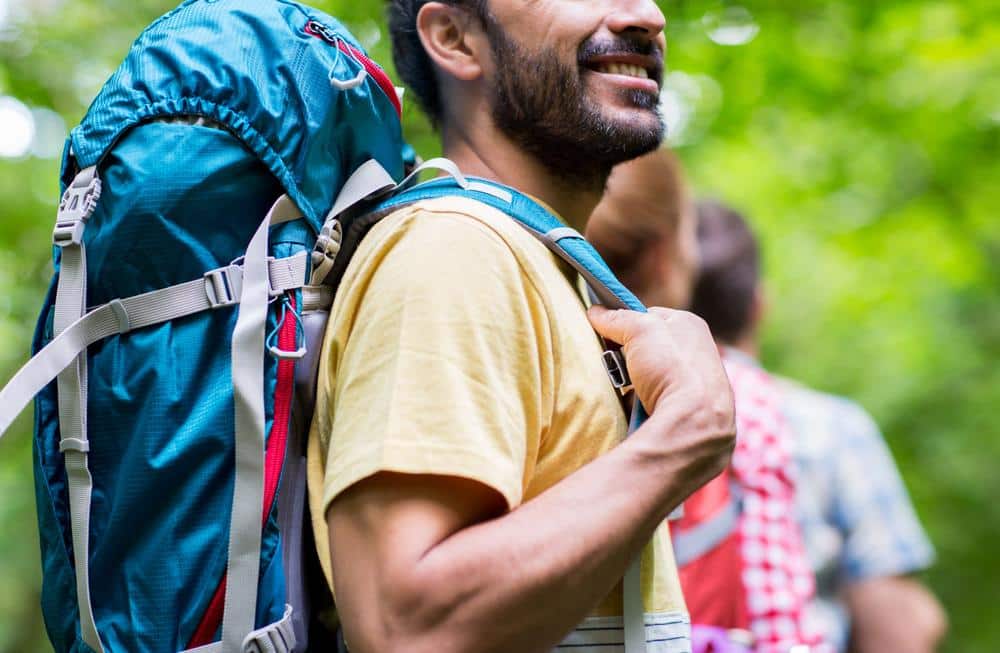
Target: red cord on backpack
(274,460)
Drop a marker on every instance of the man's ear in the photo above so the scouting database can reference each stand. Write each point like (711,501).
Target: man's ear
(454,40)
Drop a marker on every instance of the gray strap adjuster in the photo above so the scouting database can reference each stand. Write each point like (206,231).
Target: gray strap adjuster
(223,286)
(614,361)
(74,444)
(278,637)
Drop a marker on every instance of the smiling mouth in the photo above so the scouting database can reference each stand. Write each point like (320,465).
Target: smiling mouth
(629,70)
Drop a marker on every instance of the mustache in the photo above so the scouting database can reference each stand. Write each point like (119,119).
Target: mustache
(623,46)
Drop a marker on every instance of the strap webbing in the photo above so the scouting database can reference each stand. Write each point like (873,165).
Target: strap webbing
(634,616)
(278,637)
(121,316)
(696,542)
(248,345)
(75,208)
(369,179)
(635,613)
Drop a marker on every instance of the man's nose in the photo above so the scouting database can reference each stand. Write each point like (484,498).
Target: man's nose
(638,16)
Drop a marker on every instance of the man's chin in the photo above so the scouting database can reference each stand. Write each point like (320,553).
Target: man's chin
(641,129)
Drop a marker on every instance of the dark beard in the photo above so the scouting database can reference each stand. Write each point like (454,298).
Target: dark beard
(540,104)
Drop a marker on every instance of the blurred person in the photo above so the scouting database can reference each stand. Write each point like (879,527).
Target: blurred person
(861,532)
(469,482)
(748,586)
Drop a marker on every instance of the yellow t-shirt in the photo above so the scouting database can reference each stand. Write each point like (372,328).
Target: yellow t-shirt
(459,346)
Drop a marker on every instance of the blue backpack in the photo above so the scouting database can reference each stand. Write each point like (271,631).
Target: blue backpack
(213,195)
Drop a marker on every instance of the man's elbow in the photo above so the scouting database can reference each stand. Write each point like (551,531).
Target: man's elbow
(413,618)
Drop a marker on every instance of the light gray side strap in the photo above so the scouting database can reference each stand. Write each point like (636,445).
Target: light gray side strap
(698,541)
(75,208)
(441,164)
(369,179)
(316,298)
(248,346)
(635,623)
(448,167)
(134,313)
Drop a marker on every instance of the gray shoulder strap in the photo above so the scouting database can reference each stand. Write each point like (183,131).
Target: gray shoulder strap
(696,542)
(75,208)
(248,344)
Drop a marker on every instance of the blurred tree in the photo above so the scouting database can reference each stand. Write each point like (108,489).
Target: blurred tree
(861,137)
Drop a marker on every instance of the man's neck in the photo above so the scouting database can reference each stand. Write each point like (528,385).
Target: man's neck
(746,344)
(489,154)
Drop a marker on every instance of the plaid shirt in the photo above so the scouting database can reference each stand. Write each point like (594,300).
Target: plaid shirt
(856,517)
(778,580)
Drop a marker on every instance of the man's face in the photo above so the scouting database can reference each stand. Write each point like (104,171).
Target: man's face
(576,82)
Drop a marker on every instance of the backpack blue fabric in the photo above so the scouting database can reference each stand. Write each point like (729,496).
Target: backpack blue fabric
(220,107)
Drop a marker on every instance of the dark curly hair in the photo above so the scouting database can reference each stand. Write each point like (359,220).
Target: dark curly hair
(412,63)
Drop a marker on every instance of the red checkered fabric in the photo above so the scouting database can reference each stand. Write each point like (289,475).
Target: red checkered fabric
(776,573)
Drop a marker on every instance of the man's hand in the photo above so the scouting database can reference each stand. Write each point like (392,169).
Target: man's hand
(679,378)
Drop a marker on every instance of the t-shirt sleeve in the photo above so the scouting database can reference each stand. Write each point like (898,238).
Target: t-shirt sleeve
(442,359)
(882,534)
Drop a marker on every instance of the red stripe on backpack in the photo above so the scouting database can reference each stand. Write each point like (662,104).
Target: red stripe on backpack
(273,462)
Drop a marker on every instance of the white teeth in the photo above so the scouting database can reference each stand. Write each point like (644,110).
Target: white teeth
(629,70)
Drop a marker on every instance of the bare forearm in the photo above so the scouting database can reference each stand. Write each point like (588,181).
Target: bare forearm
(894,614)
(522,581)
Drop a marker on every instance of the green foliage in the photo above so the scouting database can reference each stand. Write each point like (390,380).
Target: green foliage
(860,137)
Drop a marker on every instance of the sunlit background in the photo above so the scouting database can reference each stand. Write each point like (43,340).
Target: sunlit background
(862,139)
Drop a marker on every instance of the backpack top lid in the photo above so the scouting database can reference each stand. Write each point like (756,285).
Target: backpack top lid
(288,80)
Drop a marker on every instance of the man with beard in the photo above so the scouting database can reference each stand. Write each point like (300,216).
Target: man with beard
(469,482)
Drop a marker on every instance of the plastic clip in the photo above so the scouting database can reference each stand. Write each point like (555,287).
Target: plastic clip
(223,286)
(300,336)
(325,252)
(75,207)
(354,82)
(614,361)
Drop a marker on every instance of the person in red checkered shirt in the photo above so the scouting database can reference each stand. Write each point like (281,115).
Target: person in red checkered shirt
(745,574)
(860,530)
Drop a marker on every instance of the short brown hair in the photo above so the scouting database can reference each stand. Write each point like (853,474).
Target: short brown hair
(729,273)
(412,63)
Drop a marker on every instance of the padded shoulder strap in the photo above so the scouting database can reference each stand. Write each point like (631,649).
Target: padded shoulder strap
(565,242)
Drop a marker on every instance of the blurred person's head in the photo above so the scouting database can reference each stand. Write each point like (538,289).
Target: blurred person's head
(574,84)
(727,293)
(644,227)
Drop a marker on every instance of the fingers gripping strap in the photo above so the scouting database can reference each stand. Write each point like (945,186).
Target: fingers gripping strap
(75,209)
